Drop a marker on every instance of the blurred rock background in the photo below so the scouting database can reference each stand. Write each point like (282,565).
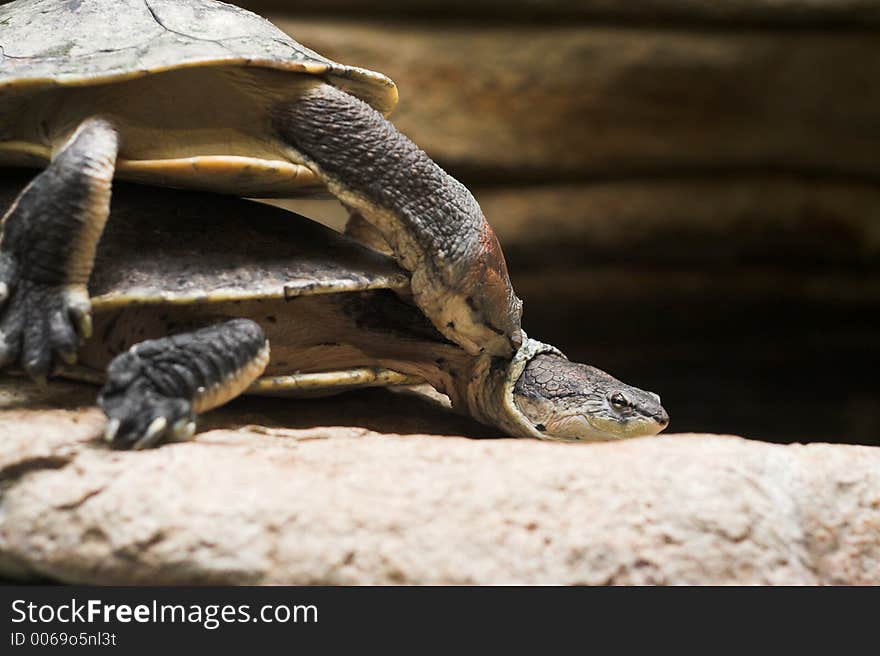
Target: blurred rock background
(688,192)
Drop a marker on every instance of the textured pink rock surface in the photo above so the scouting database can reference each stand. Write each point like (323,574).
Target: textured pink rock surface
(338,504)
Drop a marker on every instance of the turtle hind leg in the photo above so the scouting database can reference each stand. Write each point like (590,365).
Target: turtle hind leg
(47,250)
(361,230)
(155,389)
(431,221)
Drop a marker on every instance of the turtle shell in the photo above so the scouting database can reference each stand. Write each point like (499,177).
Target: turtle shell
(177,260)
(169,259)
(167,247)
(84,42)
(190,83)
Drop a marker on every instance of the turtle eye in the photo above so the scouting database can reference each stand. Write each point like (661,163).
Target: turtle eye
(618,401)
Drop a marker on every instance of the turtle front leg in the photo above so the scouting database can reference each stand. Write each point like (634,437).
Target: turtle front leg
(47,250)
(155,389)
(431,221)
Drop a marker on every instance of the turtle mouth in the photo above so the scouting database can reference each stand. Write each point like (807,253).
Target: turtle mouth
(616,429)
(581,427)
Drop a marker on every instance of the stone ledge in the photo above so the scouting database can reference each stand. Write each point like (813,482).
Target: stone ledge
(350,506)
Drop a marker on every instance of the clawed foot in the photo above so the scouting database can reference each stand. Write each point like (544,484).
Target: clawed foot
(140,416)
(40,323)
(155,389)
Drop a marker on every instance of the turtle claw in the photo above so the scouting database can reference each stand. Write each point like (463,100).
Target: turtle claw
(10,323)
(154,431)
(183,430)
(140,422)
(41,324)
(139,415)
(7,275)
(80,309)
(111,430)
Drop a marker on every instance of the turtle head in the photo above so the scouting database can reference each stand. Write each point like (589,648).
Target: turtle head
(571,401)
(540,393)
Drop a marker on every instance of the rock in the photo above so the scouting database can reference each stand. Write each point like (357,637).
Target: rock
(498,103)
(821,13)
(351,506)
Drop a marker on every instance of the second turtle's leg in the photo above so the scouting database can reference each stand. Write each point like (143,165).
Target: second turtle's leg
(47,250)
(155,389)
(361,230)
(431,221)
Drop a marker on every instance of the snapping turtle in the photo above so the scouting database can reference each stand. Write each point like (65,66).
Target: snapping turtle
(336,314)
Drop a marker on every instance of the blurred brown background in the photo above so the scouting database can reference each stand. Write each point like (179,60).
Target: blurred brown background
(687,191)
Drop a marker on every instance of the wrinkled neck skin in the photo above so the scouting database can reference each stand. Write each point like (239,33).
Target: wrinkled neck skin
(483,387)
(488,390)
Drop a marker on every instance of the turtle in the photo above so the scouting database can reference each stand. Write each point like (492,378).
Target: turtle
(186,318)
(204,95)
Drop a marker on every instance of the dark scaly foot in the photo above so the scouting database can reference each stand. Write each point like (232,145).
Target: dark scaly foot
(430,220)
(47,250)
(155,389)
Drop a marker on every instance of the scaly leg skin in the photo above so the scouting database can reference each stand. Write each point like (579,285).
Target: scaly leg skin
(47,250)
(431,221)
(155,389)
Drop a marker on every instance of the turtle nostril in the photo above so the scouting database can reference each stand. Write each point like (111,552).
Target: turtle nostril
(661,417)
